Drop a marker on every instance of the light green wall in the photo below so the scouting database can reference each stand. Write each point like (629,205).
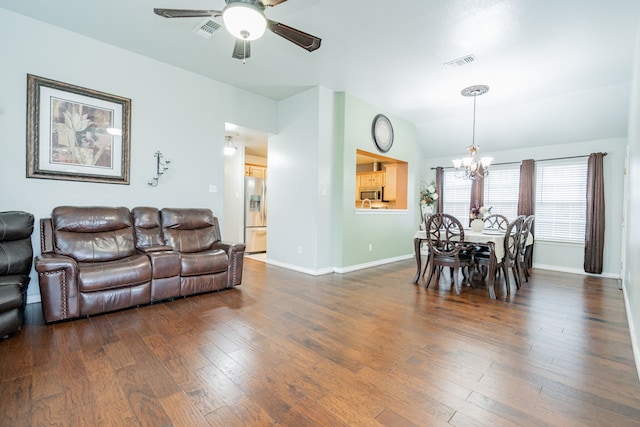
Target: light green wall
(631,279)
(390,234)
(301,183)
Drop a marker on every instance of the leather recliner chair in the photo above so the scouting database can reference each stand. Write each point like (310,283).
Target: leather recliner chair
(16,258)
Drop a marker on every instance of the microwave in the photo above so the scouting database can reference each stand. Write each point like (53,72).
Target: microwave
(372,193)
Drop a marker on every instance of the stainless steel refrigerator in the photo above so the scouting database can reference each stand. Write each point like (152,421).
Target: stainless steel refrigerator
(255,214)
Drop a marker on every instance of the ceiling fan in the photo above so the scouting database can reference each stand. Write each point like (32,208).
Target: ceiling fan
(246,21)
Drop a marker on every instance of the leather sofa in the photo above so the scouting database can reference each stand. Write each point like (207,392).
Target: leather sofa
(16,258)
(101,259)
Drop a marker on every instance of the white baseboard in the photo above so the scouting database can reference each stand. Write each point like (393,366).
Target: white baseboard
(575,271)
(339,270)
(376,263)
(632,332)
(33,298)
(312,272)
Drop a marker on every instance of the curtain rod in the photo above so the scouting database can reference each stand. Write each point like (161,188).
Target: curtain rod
(517,163)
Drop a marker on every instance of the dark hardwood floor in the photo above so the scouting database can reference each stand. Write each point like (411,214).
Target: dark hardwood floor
(364,348)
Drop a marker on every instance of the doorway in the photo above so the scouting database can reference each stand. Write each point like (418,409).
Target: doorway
(245,196)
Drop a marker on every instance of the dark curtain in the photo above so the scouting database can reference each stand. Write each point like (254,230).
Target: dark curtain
(477,193)
(527,195)
(439,187)
(594,230)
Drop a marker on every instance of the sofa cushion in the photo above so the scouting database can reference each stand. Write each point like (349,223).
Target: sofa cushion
(147,225)
(15,225)
(189,230)
(206,262)
(16,257)
(114,274)
(10,297)
(16,254)
(20,280)
(93,234)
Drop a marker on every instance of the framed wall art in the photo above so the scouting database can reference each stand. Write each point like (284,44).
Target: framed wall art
(76,134)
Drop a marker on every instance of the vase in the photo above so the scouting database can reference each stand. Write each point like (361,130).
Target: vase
(477,225)
(425,209)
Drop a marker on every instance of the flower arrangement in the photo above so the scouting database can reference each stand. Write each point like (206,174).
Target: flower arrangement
(428,194)
(479,212)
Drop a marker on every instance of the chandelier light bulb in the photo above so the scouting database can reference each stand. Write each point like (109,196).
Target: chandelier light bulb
(229,147)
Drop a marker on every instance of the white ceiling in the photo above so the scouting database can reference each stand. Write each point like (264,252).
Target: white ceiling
(558,69)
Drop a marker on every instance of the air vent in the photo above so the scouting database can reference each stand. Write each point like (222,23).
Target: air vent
(207,28)
(460,61)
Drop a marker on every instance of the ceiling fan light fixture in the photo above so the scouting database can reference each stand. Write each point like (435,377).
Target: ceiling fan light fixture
(244,21)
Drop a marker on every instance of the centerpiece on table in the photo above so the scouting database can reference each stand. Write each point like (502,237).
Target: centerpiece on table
(477,215)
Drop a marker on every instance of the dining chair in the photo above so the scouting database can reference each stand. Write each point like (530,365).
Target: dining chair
(496,222)
(510,259)
(523,256)
(425,219)
(445,238)
(492,222)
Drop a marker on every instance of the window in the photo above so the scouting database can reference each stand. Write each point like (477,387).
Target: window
(560,209)
(502,189)
(456,196)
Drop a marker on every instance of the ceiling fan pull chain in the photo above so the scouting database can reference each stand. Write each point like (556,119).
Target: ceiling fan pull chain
(244,53)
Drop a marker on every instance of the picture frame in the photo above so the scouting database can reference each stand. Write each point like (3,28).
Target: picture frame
(76,134)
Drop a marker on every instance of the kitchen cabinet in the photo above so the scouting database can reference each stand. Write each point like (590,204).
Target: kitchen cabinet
(391,182)
(395,189)
(371,179)
(255,171)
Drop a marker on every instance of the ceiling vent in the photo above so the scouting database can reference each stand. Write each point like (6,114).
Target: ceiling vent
(468,59)
(207,28)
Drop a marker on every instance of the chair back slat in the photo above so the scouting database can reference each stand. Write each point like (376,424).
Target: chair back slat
(445,235)
(526,228)
(496,221)
(512,237)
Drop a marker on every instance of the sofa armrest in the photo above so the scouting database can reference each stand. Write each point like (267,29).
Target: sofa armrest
(57,277)
(235,252)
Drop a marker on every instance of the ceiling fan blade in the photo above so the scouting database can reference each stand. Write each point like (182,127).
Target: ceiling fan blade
(186,13)
(267,3)
(302,39)
(242,49)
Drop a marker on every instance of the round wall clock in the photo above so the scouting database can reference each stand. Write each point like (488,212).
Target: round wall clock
(382,132)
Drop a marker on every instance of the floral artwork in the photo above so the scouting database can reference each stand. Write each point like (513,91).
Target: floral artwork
(75,133)
(428,194)
(79,134)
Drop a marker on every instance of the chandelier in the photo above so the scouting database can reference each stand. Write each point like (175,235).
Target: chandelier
(472,167)
(229,147)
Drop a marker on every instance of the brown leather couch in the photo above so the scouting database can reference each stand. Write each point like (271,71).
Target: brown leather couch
(100,259)
(16,258)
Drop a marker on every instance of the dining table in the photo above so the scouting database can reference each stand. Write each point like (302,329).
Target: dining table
(492,238)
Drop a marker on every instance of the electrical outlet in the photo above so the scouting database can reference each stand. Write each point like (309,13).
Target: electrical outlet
(370,247)
(299,249)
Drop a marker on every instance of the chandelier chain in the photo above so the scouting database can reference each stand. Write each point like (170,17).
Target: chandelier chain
(472,167)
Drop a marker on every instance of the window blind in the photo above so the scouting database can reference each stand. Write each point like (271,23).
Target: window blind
(456,196)
(561,200)
(501,190)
